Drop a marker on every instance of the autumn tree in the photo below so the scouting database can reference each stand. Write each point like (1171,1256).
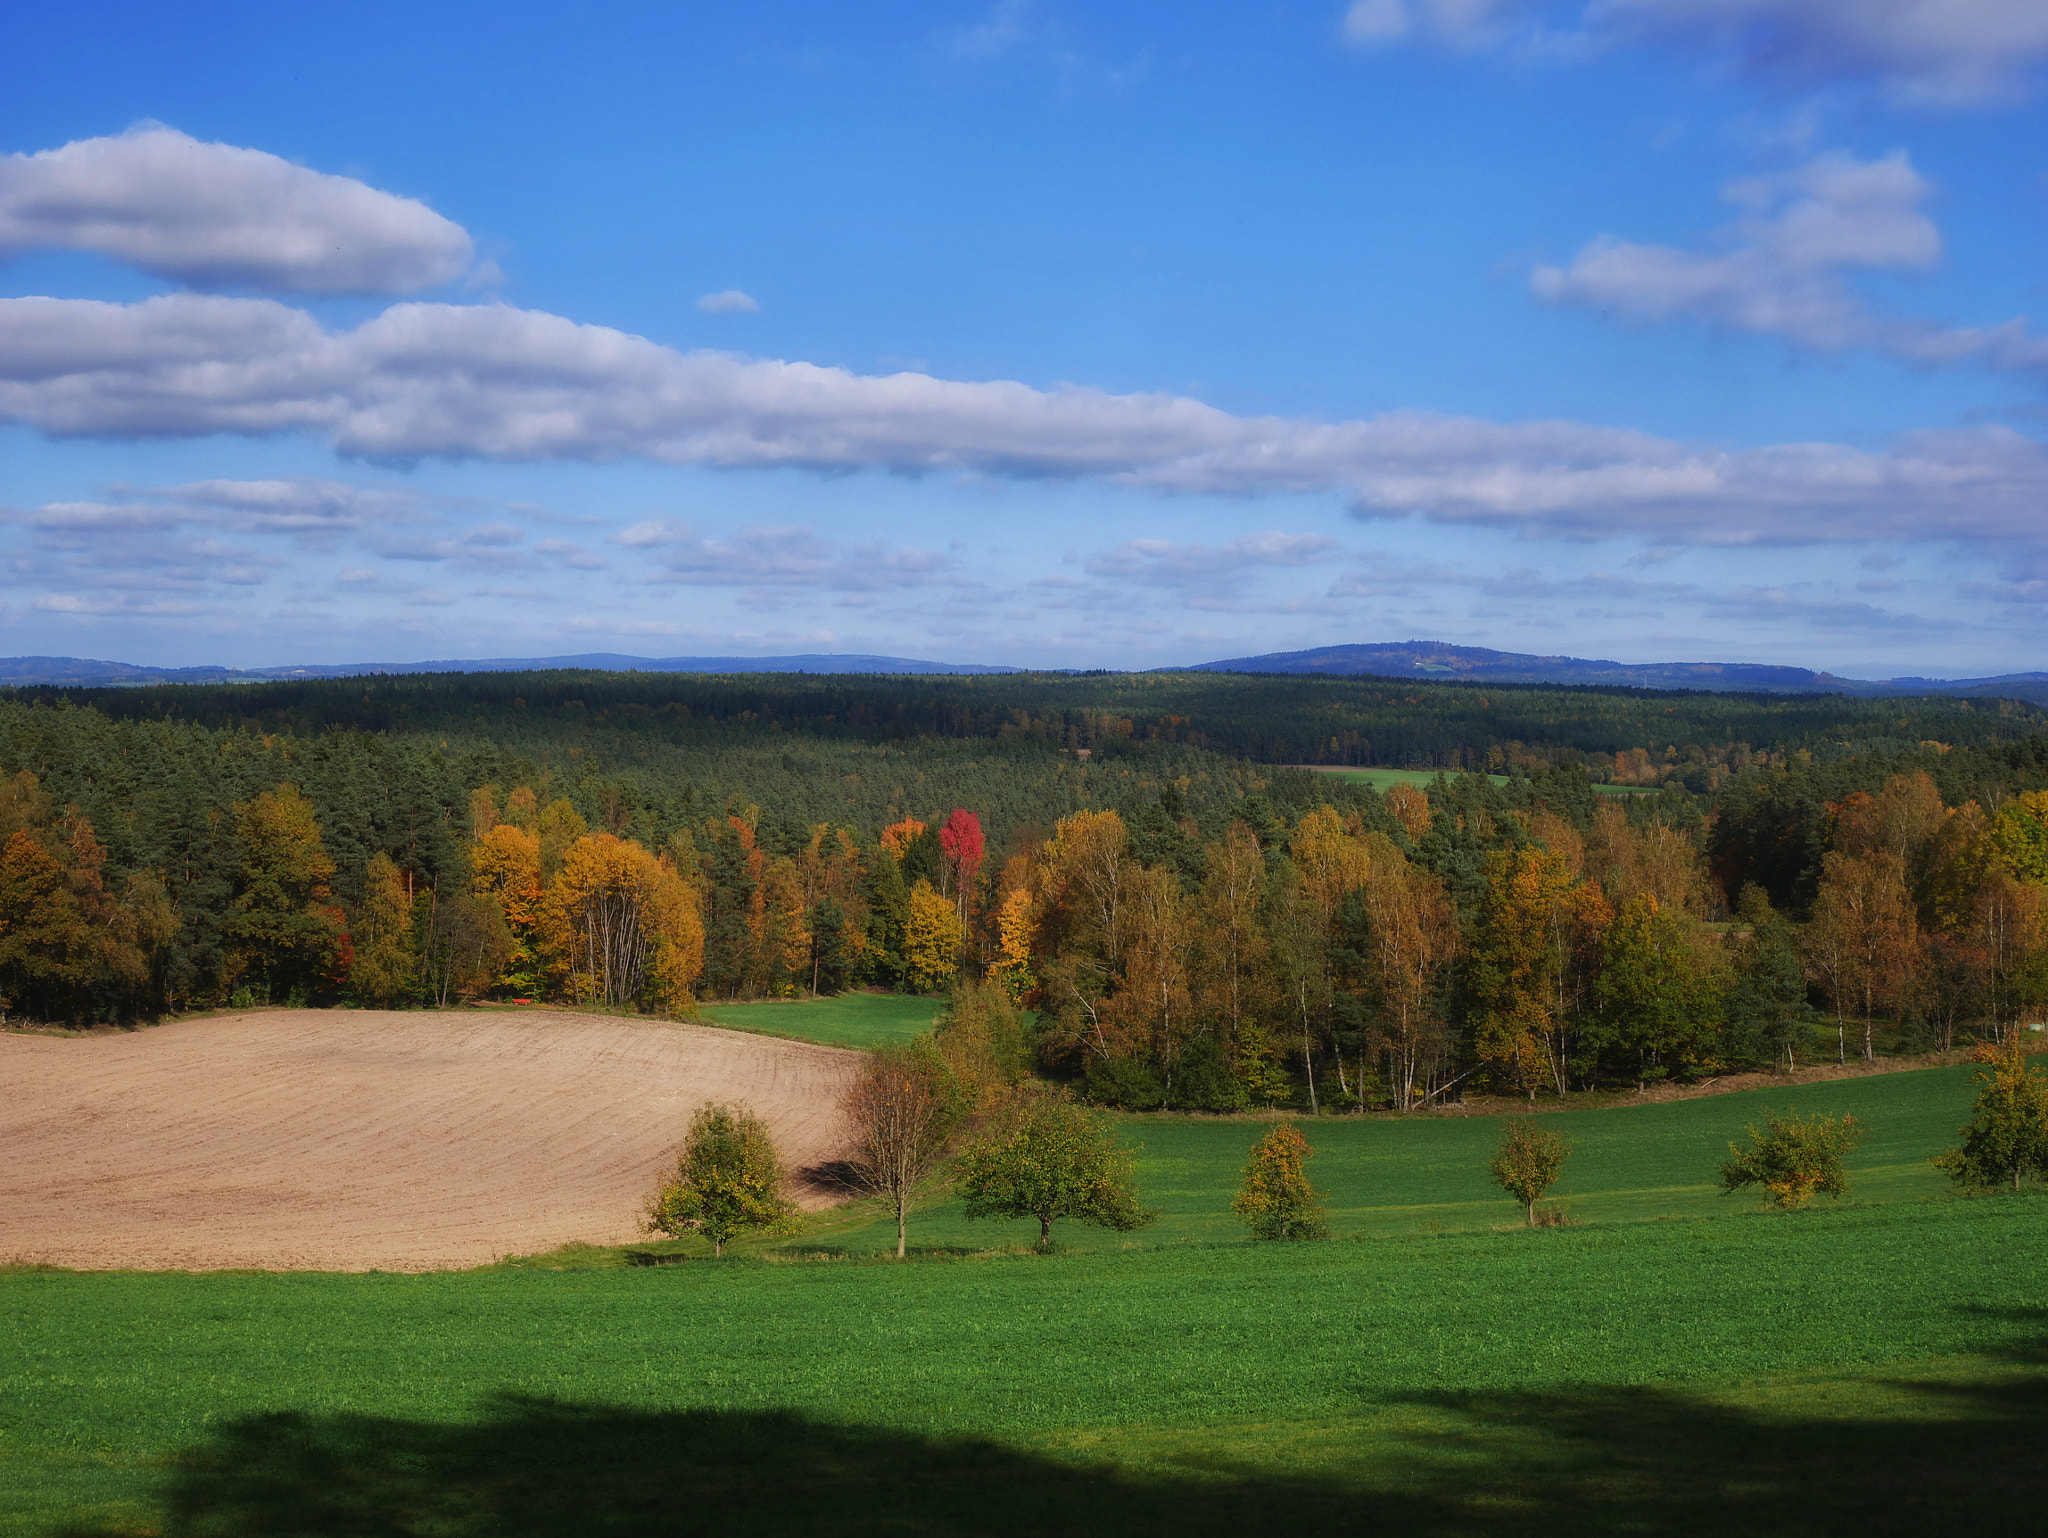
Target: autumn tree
(623,925)
(385,957)
(931,940)
(1409,936)
(505,865)
(963,848)
(63,936)
(983,1039)
(284,924)
(1794,1158)
(1530,959)
(1276,1200)
(1041,1156)
(903,1119)
(2006,1137)
(1527,1161)
(1864,939)
(728,1181)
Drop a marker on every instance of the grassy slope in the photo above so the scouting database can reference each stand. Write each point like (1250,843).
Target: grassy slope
(1385,1176)
(1449,1361)
(1743,1372)
(848,1020)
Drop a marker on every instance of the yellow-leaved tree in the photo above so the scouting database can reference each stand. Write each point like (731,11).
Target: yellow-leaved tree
(931,940)
(623,927)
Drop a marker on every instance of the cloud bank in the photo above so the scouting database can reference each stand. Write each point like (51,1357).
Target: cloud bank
(1944,53)
(493,382)
(214,216)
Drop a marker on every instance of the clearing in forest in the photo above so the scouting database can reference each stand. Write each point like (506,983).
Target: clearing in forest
(362,1139)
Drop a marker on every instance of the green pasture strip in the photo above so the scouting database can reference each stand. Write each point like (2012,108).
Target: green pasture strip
(846,1020)
(396,1385)
(1393,1176)
(1381,779)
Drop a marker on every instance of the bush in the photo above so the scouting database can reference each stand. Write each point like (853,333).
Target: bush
(1794,1158)
(1527,1162)
(1041,1156)
(2007,1138)
(727,1182)
(1276,1200)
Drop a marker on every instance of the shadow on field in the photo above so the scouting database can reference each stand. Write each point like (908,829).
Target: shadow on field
(1638,1461)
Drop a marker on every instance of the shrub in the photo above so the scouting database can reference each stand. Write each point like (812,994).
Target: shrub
(1276,1200)
(1041,1156)
(727,1182)
(1794,1158)
(1527,1162)
(2006,1139)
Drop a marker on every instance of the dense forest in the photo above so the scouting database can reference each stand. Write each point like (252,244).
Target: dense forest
(1194,918)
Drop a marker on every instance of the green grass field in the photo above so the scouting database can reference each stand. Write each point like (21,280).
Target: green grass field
(1878,1365)
(846,1020)
(1380,779)
(1385,1177)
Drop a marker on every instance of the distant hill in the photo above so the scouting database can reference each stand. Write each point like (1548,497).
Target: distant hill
(1478,664)
(86,672)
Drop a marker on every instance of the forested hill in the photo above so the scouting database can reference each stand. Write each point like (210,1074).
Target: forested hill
(622,717)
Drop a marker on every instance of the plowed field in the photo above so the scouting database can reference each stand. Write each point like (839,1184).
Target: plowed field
(356,1139)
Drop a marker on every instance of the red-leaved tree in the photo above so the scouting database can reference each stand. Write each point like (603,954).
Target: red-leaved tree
(961,842)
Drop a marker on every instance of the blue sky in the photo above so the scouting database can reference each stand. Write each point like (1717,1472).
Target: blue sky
(1107,335)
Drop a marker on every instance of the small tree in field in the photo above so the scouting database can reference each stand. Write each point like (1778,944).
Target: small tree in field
(1276,1200)
(903,1117)
(2007,1138)
(1041,1156)
(727,1183)
(1794,1158)
(1528,1161)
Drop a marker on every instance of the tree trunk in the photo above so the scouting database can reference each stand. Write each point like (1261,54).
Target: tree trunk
(901,1224)
(1044,1232)
(1532,1212)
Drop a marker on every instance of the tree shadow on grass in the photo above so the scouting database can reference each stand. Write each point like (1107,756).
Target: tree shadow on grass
(1624,1461)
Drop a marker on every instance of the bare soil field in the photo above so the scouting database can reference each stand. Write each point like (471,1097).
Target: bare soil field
(358,1139)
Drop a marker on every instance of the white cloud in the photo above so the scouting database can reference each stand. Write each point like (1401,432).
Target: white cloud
(1780,268)
(492,382)
(730,301)
(1937,52)
(1166,563)
(793,557)
(1923,52)
(217,216)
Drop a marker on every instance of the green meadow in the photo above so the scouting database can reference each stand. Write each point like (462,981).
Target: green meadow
(846,1020)
(1671,1360)
(1381,779)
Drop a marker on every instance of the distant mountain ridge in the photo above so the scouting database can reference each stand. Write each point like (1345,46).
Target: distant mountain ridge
(85,672)
(1478,664)
(1438,660)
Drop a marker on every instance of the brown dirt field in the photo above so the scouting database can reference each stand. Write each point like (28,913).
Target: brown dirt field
(356,1139)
